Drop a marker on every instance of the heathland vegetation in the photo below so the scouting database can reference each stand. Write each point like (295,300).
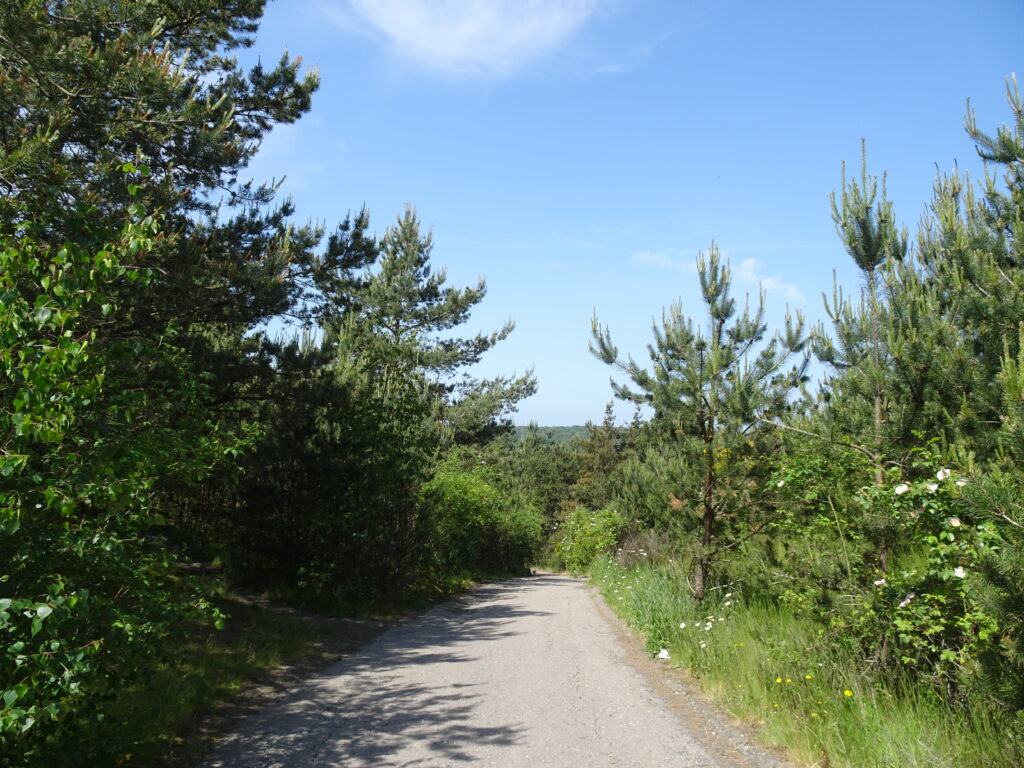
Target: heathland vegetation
(195,384)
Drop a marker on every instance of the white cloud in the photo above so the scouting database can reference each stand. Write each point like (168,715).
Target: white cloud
(490,38)
(747,273)
(666,260)
(639,56)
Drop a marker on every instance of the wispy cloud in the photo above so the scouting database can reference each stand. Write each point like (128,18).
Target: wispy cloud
(747,273)
(638,57)
(484,38)
(675,261)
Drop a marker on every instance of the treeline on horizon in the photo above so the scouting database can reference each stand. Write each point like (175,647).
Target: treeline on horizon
(149,419)
(556,434)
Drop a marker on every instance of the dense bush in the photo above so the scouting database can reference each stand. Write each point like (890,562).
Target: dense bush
(586,534)
(477,530)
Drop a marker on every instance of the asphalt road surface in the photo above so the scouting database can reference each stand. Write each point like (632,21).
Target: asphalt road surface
(530,673)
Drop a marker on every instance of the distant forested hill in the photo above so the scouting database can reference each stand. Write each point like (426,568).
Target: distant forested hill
(556,435)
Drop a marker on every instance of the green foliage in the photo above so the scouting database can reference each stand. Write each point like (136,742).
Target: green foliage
(88,593)
(925,613)
(354,456)
(357,415)
(888,506)
(476,529)
(153,722)
(822,704)
(713,393)
(602,450)
(586,535)
(554,434)
(143,407)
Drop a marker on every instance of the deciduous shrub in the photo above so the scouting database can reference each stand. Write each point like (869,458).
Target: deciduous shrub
(587,534)
(475,528)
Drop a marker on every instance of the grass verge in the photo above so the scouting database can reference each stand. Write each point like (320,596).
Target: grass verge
(771,668)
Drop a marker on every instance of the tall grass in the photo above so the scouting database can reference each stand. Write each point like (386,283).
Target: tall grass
(773,668)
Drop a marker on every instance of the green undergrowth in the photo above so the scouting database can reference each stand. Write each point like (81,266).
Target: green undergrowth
(774,669)
(343,604)
(158,723)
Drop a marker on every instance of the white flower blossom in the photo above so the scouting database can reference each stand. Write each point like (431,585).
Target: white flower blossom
(942,474)
(879,582)
(955,522)
(959,572)
(780,483)
(663,653)
(683,625)
(708,626)
(900,489)
(728,594)
(932,487)
(727,603)
(906,600)
(961,482)
(703,645)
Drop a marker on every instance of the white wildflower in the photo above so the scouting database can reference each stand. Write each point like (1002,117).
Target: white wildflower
(663,653)
(683,625)
(727,603)
(728,595)
(703,645)
(879,582)
(959,572)
(961,482)
(900,489)
(955,522)
(932,487)
(906,600)
(780,483)
(708,626)
(942,474)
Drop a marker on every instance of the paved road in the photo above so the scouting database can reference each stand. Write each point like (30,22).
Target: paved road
(528,673)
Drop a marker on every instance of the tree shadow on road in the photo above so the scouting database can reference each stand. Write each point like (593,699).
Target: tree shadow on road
(369,708)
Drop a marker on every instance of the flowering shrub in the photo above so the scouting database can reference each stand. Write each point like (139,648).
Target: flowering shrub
(922,613)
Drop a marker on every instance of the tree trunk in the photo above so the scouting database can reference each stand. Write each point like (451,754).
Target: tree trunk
(708,529)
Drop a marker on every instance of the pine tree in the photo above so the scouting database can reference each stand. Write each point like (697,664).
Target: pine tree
(408,310)
(713,391)
(869,234)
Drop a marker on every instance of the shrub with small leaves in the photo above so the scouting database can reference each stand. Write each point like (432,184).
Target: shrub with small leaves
(587,534)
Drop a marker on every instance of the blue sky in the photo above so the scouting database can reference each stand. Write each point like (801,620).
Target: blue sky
(579,153)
